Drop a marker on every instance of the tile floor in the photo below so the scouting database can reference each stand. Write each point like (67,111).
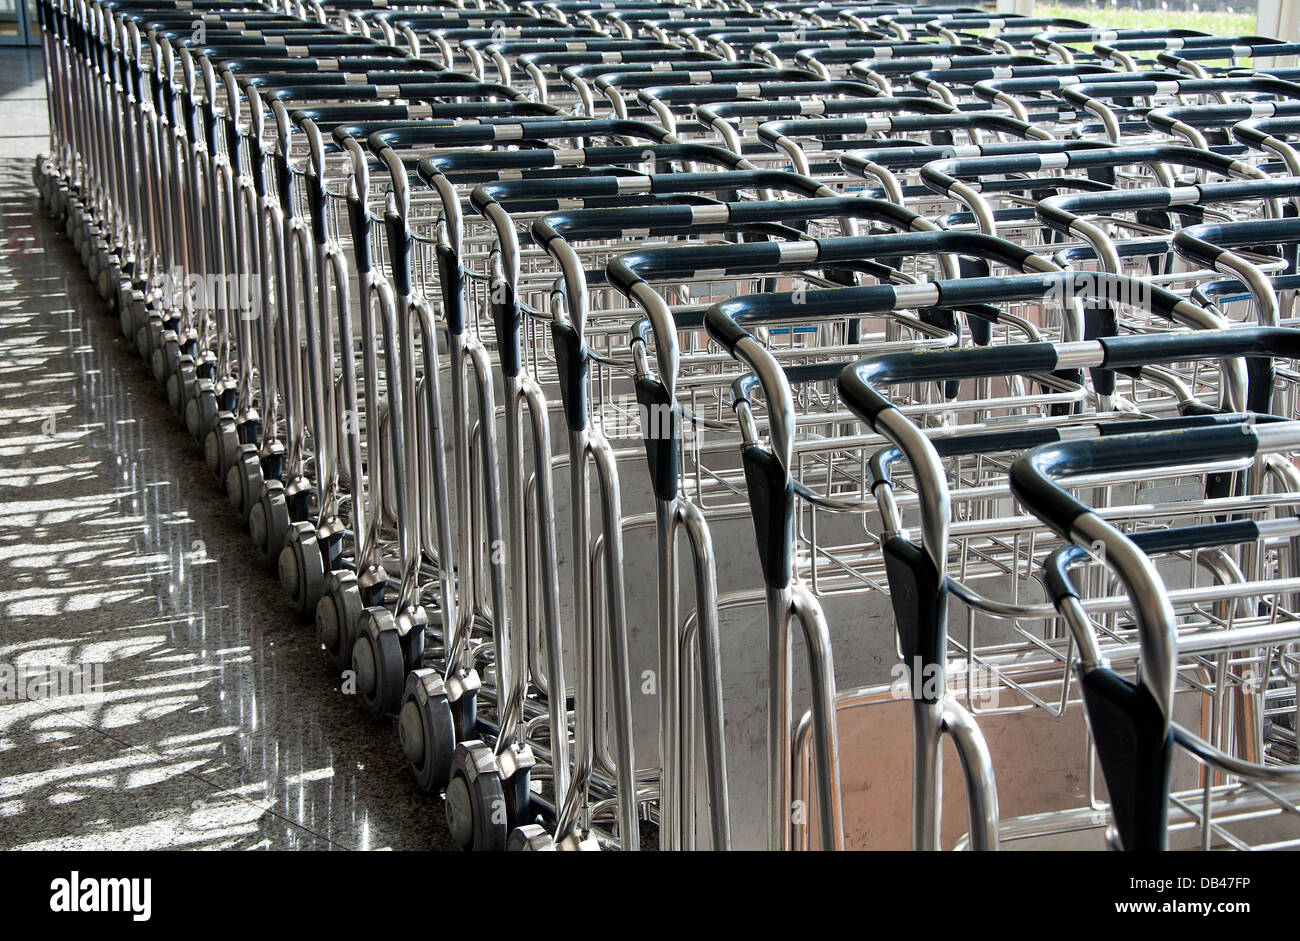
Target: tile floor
(218,724)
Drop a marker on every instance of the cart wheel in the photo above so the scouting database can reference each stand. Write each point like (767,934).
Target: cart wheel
(149,336)
(268,522)
(90,235)
(475,805)
(180,386)
(96,250)
(110,275)
(200,410)
(302,569)
(244,480)
(76,224)
(166,357)
(377,662)
(127,298)
(221,446)
(426,730)
(337,615)
(530,838)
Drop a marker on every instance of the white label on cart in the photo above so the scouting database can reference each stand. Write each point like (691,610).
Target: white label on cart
(297,52)
(1175,42)
(748,90)
(509,132)
(1262,109)
(1053,161)
(328,65)
(389,91)
(1003,72)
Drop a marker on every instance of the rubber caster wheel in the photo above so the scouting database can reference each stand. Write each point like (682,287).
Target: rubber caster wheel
(181,385)
(426,730)
(149,335)
(337,615)
(72,225)
(268,522)
(110,275)
(127,298)
(166,358)
(221,447)
(377,662)
(96,259)
(89,236)
(244,480)
(475,805)
(201,410)
(302,569)
(530,838)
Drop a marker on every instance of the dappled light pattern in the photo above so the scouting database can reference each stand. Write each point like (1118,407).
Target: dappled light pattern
(217,725)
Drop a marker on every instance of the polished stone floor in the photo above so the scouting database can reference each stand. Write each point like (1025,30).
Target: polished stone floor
(217,724)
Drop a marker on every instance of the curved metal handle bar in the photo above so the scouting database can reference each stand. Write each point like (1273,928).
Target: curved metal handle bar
(1037,481)
(631,273)
(714,93)
(1186,122)
(1260,134)
(1095,35)
(1101,91)
(860,388)
(725,321)
(856,52)
(1270,49)
(948,177)
(467,135)
(630,80)
(1208,244)
(477,161)
(1063,213)
(968,71)
(1179,44)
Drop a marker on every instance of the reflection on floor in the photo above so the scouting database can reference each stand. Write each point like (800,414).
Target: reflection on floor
(218,724)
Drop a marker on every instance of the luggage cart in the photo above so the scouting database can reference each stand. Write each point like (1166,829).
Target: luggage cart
(1240,784)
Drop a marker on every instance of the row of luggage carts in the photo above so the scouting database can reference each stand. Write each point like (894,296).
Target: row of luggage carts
(686,421)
